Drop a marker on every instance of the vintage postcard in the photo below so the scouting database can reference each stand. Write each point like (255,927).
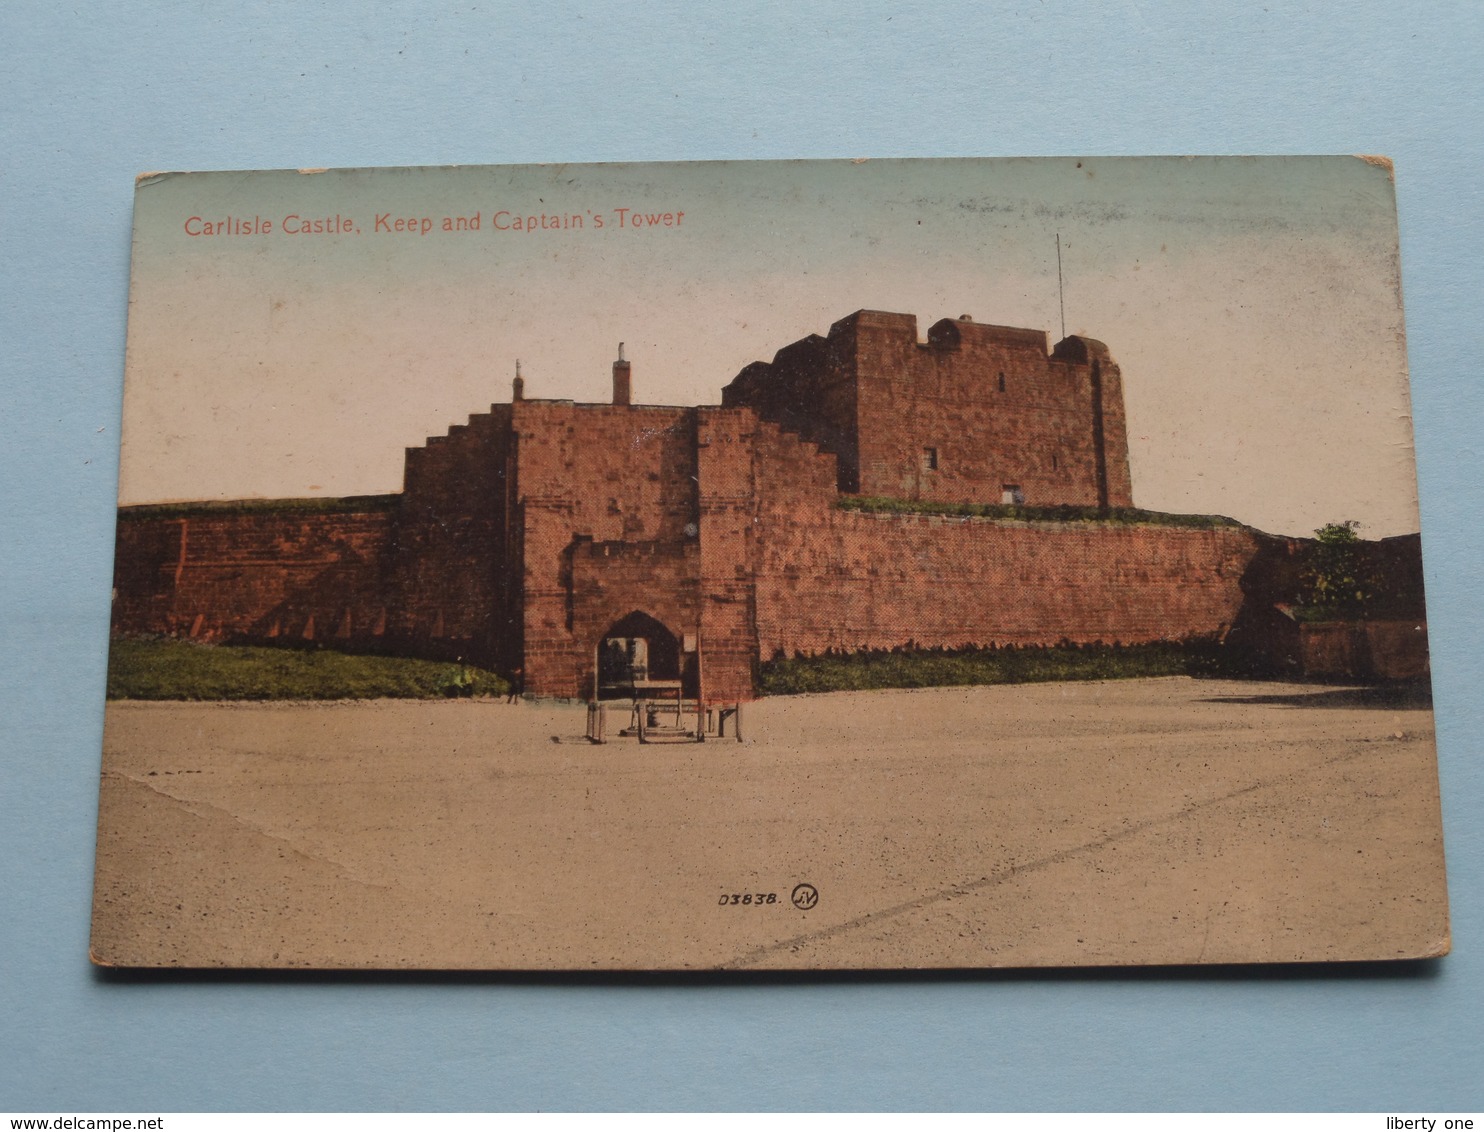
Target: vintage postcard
(874,564)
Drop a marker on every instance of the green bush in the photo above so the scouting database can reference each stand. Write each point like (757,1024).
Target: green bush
(163,669)
(1338,581)
(875,669)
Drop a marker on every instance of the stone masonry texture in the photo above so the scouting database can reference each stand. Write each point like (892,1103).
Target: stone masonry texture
(521,539)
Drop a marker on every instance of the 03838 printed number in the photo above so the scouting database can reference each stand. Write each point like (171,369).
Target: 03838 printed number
(728,899)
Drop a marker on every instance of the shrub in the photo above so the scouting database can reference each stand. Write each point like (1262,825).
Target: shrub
(165,669)
(1337,582)
(873,669)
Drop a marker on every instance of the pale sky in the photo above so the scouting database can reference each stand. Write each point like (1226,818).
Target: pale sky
(1252,303)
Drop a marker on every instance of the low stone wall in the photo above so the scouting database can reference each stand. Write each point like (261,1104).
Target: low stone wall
(1386,650)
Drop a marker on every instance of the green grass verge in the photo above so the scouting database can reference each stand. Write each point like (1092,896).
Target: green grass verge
(937,668)
(151,669)
(327,505)
(1128,516)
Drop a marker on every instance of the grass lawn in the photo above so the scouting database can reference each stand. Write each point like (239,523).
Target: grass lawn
(148,669)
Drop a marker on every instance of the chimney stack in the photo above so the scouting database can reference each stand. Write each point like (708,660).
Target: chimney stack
(622,388)
(518,386)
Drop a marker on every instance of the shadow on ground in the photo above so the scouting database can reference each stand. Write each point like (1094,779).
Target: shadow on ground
(1390,697)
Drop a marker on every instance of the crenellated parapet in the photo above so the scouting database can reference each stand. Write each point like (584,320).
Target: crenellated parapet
(976,413)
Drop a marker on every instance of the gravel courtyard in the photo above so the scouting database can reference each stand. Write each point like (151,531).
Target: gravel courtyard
(1142,821)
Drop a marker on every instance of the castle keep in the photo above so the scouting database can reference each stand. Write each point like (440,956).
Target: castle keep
(551,536)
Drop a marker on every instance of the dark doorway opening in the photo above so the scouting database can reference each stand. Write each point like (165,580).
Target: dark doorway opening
(639,649)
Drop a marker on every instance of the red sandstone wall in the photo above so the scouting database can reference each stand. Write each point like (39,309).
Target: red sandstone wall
(974,410)
(264,576)
(1397,650)
(452,593)
(880,581)
(625,472)
(1115,436)
(427,576)
(809,388)
(727,469)
(1038,433)
(522,536)
(612,580)
(1391,650)
(822,578)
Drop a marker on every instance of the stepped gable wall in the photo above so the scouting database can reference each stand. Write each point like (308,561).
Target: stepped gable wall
(809,388)
(451,594)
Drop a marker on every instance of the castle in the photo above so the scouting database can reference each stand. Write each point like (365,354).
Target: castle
(572,542)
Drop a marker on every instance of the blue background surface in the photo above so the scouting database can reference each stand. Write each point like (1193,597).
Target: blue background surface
(91,96)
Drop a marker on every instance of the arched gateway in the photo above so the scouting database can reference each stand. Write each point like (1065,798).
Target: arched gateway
(639,660)
(635,650)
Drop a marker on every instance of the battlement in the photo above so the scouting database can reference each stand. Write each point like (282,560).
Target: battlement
(953,333)
(945,334)
(976,413)
(1081,351)
(875,320)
